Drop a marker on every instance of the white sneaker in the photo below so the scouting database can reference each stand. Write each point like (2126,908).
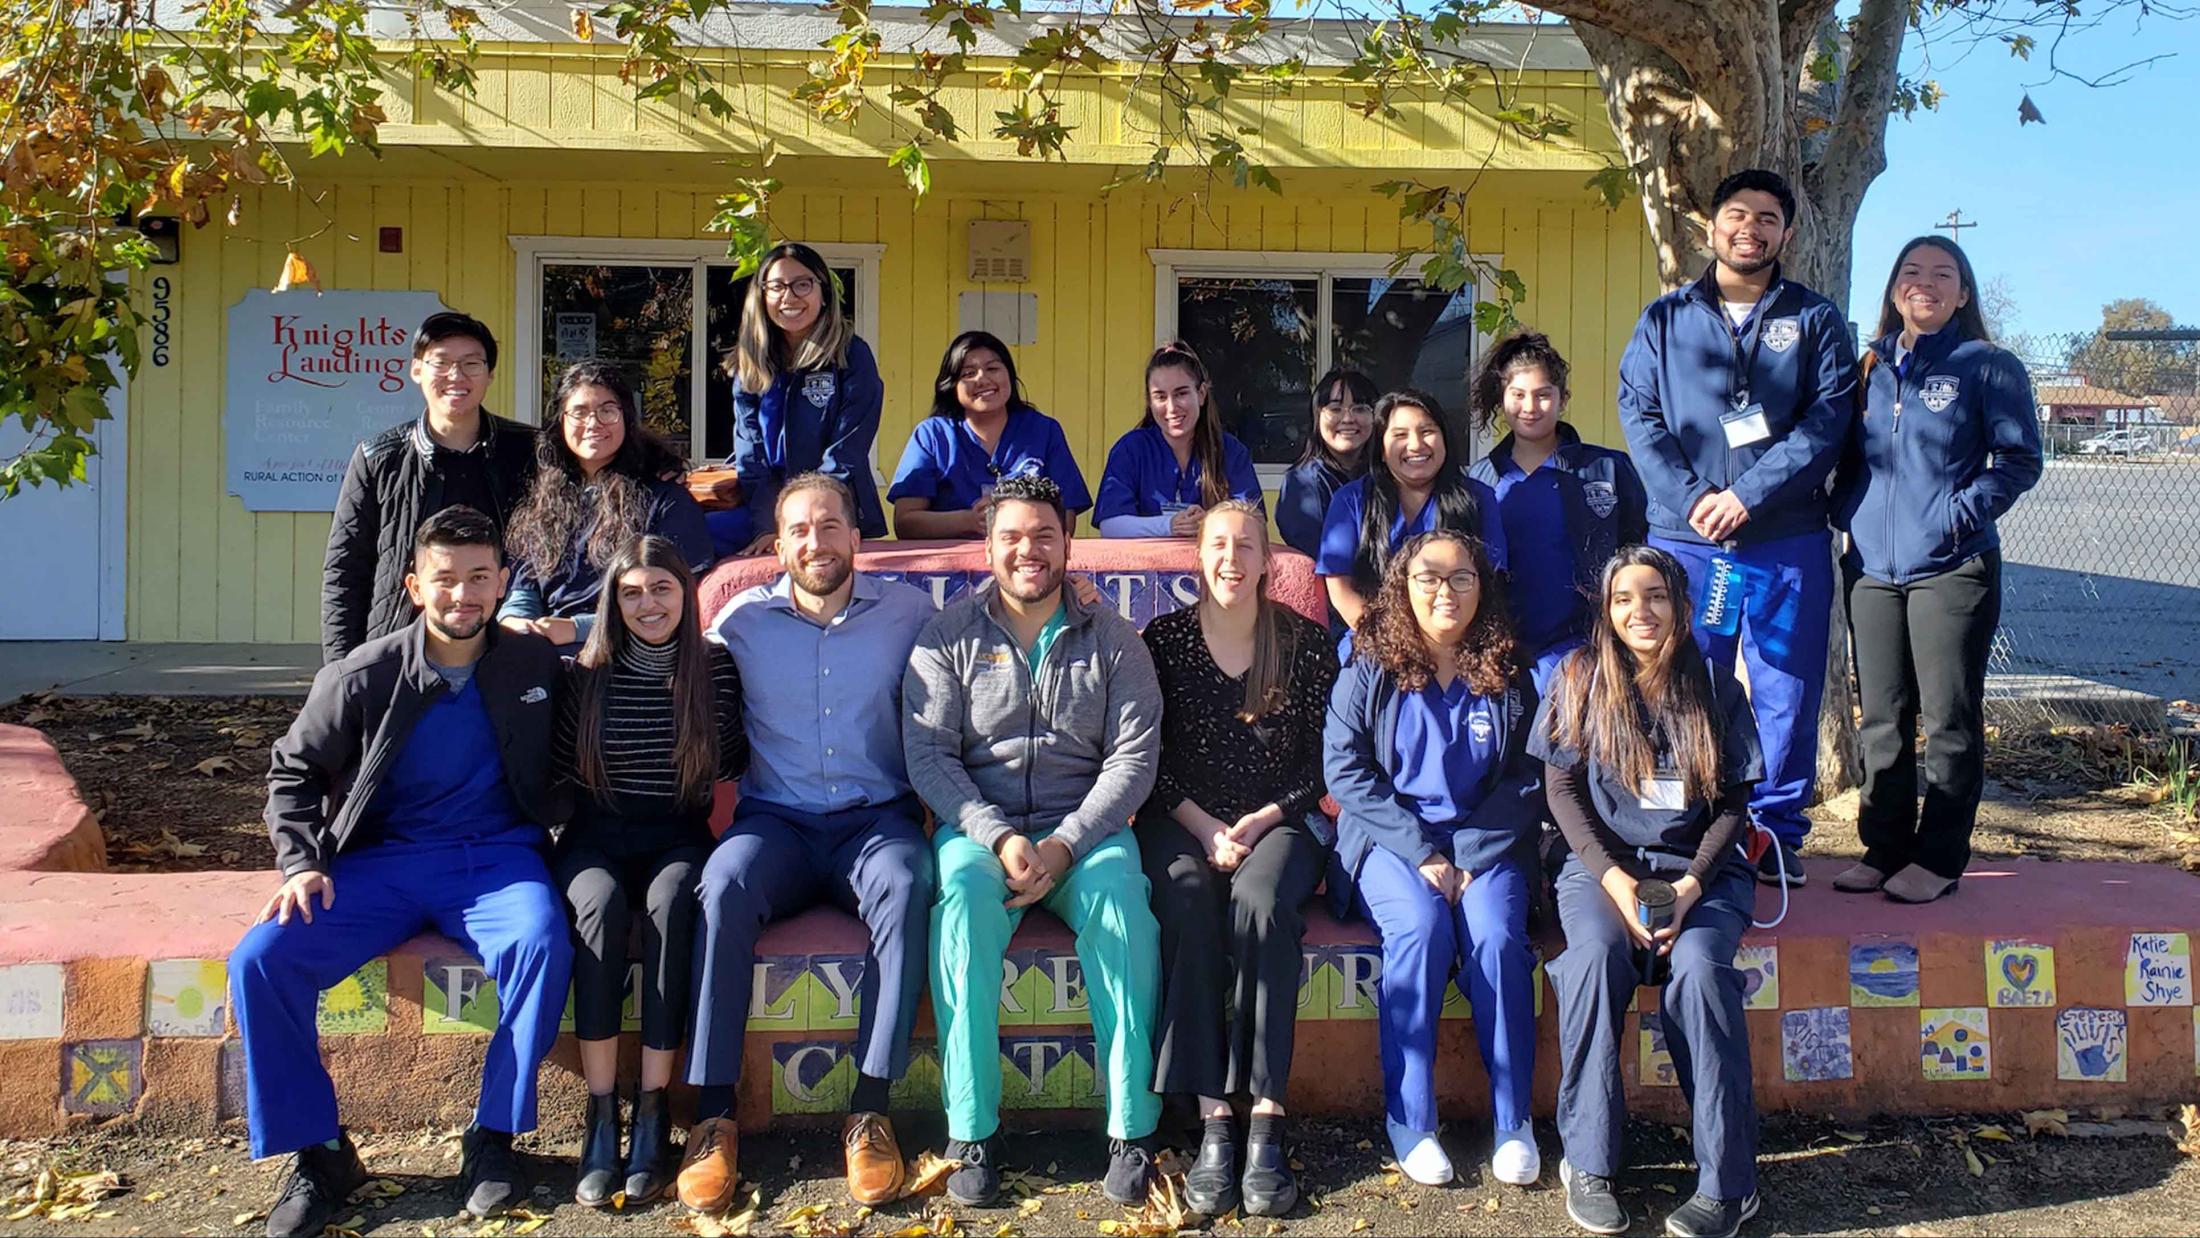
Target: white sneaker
(1516,1160)
(1420,1156)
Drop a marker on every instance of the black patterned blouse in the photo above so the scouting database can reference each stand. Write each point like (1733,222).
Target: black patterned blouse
(1210,757)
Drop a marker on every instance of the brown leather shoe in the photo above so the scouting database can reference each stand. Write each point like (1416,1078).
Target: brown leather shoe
(708,1173)
(874,1159)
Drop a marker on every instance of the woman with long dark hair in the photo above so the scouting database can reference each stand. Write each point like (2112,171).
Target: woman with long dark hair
(980,431)
(1416,483)
(806,397)
(1565,505)
(1439,811)
(1233,844)
(601,480)
(1162,477)
(1948,441)
(1648,759)
(1336,442)
(649,720)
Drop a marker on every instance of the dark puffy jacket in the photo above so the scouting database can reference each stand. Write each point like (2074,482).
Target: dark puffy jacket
(361,710)
(391,485)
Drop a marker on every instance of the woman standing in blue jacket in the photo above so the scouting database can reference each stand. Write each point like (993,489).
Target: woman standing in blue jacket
(806,397)
(1344,413)
(981,430)
(1947,442)
(1162,477)
(1566,505)
(601,481)
(1438,816)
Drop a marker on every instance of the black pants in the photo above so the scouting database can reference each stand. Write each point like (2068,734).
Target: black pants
(602,891)
(1229,957)
(1921,652)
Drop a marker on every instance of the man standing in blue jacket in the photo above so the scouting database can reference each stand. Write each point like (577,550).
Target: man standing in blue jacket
(1736,394)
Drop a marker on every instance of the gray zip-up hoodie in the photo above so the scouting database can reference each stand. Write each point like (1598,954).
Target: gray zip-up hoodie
(992,753)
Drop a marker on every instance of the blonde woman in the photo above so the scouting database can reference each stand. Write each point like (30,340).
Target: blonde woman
(806,397)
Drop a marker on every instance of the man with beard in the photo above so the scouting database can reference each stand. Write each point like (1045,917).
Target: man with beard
(825,816)
(1736,394)
(1033,733)
(412,793)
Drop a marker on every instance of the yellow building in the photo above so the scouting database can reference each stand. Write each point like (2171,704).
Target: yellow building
(571,219)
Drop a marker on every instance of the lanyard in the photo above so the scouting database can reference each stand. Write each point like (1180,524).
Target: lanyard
(1745,364)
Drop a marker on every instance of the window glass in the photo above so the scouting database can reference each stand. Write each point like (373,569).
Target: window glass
(1402,333)
(723,297)
(640,317)
(1257,338)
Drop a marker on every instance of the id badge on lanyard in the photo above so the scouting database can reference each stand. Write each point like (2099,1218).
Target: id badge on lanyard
(1745,423)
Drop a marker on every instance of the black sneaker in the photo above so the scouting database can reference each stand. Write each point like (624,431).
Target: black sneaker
(1591,1202)
(489,1173)
(1769,865)
(1704,1217)
(1130,1171)
(320,1180)
(976,1183)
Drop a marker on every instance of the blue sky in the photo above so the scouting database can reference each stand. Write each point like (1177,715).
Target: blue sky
(2101,202)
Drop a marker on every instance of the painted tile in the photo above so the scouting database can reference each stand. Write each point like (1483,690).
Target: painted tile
(919,1086)
(2019,974)
(1760,968)
(1814,1045)
(1058,996)
(102,1078)
(2091,1045)
(778,1002)
(1040,1072)
(186,997)
(812,1076)
(1657,1060)
(834,983)
(1314,991)
(1882,972)
(457,997)
(2158,970)
(1954,1043)
(30,1001)
(229,1100)
(1359,972)
(359,1004)
(1088,1082)
(1019,988)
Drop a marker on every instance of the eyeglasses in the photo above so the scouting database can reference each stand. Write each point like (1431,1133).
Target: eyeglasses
(471,367)
(1355,410)
(602,415)
(803,287)
(1458,582)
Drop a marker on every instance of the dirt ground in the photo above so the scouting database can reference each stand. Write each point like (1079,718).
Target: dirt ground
(1893,1178)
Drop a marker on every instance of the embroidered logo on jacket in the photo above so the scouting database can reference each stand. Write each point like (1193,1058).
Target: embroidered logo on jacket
(1780,334)
(1481,728)
(1601,498)
(818,388)
(534,696)
(1940,391)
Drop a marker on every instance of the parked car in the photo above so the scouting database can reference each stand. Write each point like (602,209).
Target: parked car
(2118,443)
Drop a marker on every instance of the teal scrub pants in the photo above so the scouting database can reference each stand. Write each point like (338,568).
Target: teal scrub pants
(1105,901)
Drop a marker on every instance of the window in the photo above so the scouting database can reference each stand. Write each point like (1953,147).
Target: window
(636,303)
(1268,325)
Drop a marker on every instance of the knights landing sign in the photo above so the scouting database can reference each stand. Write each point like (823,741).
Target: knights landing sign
(309,377)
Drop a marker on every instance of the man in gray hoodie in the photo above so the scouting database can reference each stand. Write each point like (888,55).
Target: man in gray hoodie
(1032,729)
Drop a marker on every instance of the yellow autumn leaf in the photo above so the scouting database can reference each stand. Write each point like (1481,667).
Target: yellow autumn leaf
(1031,1207)
(584,25)
(1971,1162)
(1993,1132)
(297,272)
(531,1225)
(1361,1223)
(2039,1122)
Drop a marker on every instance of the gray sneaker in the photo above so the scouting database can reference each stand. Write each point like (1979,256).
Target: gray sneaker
(1705,1217)
(1591,1202)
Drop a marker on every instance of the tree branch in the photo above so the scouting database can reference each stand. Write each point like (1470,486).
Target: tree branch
(1856,148)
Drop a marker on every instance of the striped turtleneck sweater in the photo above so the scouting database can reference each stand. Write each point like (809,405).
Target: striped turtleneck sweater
(642,809)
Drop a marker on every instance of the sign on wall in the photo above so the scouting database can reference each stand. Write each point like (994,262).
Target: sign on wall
(308,378)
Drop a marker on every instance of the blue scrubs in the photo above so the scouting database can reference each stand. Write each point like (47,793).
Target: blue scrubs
(1546,598)
(1303,504)
(1446,745)
(945,463)
(1341,528)
(1142,478)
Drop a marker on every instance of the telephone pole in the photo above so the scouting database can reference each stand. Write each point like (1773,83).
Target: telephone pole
(1955,224)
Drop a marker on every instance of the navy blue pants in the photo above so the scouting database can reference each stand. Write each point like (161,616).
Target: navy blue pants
(1483,940)
(496,898)
(1787,603)
(1701,1007)
(773,862)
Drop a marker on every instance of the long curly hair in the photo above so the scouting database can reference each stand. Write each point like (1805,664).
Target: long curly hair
(1390,636)
(561,501)
(694,694)
(1616,707)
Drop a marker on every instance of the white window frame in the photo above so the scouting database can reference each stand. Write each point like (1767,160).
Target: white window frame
(534,251)
(1323,267)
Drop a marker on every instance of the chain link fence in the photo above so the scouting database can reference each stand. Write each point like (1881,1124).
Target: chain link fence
(2101,560)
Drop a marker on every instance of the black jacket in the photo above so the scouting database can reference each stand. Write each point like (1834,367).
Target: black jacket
(390,486)
(360,713)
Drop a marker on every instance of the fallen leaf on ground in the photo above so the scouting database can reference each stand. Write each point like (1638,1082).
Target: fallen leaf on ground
(926,1174)
(1491,1204)
(214,767)
(1030,1207)
(1852,1136)
(1971,1162)
(2190,1144)
(1993,1132)
(2039,1122)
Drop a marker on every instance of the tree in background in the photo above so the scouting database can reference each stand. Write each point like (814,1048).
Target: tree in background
(2163,367)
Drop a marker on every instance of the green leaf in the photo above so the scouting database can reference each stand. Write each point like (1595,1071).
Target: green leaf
(914,168)
(1614,185)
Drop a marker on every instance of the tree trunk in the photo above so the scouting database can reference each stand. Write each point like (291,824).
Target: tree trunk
(1698,90)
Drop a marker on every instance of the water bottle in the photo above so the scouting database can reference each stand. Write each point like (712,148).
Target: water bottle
(1654,901)
(1721,611)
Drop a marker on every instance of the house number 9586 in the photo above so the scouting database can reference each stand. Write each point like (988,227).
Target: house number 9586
(161,291)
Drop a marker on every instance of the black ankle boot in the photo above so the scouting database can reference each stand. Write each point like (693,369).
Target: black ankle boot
(1211,1185)
(1270,1188)
(599,1167)
(649,1158)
